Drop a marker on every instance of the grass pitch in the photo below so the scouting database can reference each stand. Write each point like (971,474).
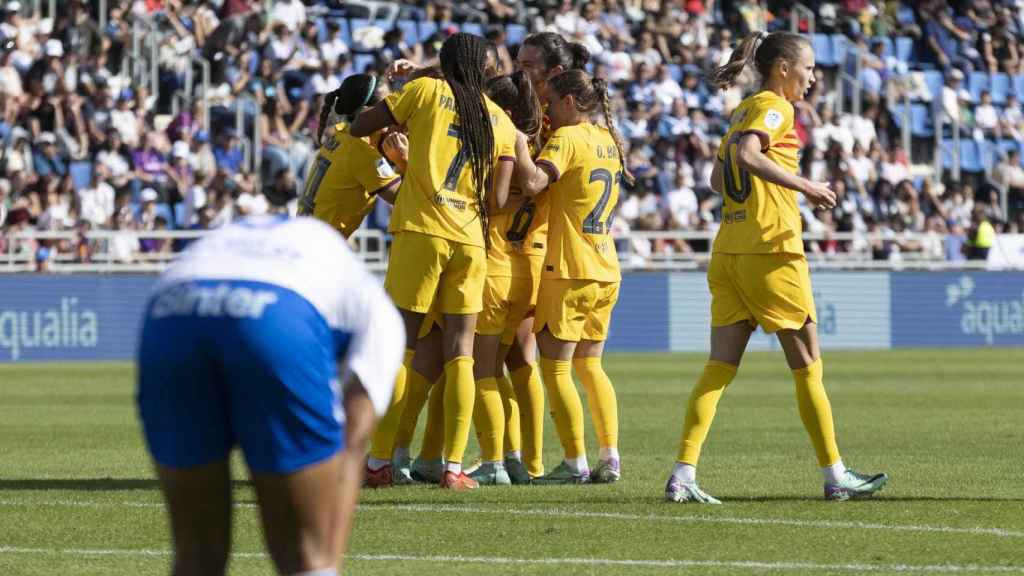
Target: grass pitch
(77,494)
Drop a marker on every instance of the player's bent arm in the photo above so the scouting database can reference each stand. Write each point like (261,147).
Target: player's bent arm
(753,160)
(372,120)
(390,192)
(499,190)
(533,179)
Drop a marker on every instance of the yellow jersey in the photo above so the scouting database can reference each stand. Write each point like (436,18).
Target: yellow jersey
(344,181)
(759,217)
(515,236)
(437,196)
(586,173)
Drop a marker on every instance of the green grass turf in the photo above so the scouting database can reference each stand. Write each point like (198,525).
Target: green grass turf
(945,424)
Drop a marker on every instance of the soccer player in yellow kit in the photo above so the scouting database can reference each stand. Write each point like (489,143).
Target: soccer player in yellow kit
(758,274)
(582,162)
(461,155)
(348,173)
(509,295)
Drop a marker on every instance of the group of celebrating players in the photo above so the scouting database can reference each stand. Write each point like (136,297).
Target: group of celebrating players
(504,188)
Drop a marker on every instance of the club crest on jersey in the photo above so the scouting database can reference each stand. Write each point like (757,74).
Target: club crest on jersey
(773,119)
(384,169)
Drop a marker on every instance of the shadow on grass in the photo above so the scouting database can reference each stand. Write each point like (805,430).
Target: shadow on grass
(90,484)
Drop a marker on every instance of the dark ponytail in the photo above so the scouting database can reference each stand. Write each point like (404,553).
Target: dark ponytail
(763,50)
(515,94)
(354,94)
(558,52)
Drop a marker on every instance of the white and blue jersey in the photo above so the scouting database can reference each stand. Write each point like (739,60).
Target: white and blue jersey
(243,340)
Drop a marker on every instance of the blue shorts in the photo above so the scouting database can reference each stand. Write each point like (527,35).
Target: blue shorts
(225,362)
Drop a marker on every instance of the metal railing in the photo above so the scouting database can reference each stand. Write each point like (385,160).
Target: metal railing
(372,247)
(796,11)
(844,78)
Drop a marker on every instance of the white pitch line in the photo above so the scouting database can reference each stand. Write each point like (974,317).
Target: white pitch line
(741,564)
(554,513)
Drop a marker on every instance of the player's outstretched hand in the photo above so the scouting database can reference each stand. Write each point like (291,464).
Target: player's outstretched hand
(401,68)
(819,194)
(396,146)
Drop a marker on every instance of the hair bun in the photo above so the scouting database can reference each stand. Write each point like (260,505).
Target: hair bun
(580,55)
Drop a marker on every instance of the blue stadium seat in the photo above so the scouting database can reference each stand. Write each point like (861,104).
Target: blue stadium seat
(989,156)
(1004,147)
(921,125)
(410,32)
(473,28)
(905,49)
(1000,87)
(1018,86)
(977,82)
(81,174)
(970,156)
(676,71)
(839,44)
(947,153)
(823,50)
(346,31)
(179,215)
(427,29)
(361,61)
(933,80)
(514,34)
(887,42)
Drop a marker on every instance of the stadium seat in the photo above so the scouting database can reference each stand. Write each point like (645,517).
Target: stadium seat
(676,71)
(905,49)
(886,42)
(1018,86)
(823,50)
(977,82)
(361,61)
(989,156)
(970,156)
(1005,146)
(180,216)
(921,125)
(410,32)
(81,174)
(427,29)
(1000,87)
(839,45)
(473,28)
(515,33)
(946,149)
(934,81)
(346,31)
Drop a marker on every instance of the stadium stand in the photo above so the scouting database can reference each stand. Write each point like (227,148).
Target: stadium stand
(106,102)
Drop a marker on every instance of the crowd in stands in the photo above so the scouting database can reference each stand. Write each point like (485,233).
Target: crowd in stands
(87,143)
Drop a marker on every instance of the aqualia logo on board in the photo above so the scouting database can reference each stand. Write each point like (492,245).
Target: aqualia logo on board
(985,318)
(62,326)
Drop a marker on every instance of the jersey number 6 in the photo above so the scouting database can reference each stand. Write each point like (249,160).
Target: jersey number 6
(738,191)
(592,224)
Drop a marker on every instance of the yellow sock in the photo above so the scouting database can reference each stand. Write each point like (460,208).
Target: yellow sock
(489,419)
(604,408)
(816,412)
(700,410)
(382,443)
(566,408)
(433,433)
(416,390)
(530,397)
(459,392)
(510,404)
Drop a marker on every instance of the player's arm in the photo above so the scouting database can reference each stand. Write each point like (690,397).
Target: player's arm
(717,184)
(533,178)
(498,199)
(390,191)
(396,149)
(750,158)
(372,120)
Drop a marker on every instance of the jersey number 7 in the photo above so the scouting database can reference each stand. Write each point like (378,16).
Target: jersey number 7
(451,179)
(592,224)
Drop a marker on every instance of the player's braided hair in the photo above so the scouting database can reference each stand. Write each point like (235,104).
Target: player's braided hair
(355,93)
(514,93)
(591,94)
(761,48)
(558,52)
(463,60)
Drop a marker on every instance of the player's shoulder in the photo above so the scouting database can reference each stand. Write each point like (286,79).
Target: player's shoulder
(766,100)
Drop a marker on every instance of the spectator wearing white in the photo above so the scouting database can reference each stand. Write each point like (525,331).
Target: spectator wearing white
(96,201)
(677,122)
(952,93)
(861,126)
(291,13)
(125,119)
(861,167)
(618,62)
(986,117)
(831,131)
(893,166)
(147,212)
(666,89)
(116,158)
(1011,122)
(334,46)
(647,52)
(681,200)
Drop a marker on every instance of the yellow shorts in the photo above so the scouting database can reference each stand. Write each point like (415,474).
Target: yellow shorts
(770,290)
(576,310)
(423,267)
(506,302)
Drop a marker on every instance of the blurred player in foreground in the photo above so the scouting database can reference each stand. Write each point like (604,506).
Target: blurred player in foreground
(758,273)
(271,335)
